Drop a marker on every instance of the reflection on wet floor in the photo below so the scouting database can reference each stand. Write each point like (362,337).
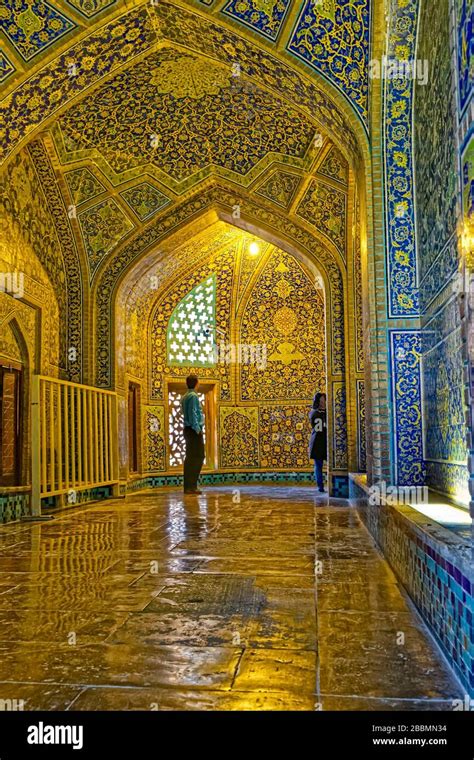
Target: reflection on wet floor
(277,601)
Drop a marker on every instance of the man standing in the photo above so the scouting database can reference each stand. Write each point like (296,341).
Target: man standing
(193,435)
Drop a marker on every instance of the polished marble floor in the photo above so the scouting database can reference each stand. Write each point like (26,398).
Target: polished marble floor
(249,597)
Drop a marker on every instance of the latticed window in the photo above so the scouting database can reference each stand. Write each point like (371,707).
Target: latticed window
(177,445)
(191,329)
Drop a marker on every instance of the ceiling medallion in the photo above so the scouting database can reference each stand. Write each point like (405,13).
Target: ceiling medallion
(189,78)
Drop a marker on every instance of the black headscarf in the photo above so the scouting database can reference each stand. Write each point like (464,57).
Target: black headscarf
(317,399)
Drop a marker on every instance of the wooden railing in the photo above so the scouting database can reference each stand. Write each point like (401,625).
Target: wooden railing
(74,439)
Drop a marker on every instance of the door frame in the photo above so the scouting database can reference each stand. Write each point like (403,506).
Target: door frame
(210,390)
(18,368)
(133,438)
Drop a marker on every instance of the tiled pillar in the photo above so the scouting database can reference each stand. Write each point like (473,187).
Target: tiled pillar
(466,276)
(374,290)
(467,328)
(395,291)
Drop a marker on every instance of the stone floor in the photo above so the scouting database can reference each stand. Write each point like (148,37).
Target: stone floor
(260,598)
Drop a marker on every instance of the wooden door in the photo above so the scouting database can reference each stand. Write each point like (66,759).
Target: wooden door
(133,427)
(10,426)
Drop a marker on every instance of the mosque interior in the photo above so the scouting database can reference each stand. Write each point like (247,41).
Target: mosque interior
(278,197)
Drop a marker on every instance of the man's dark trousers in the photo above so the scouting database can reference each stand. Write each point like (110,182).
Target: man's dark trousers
(194,458)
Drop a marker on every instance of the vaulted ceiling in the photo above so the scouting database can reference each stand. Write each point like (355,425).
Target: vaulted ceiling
(311,186)
(134,110)
(332,37)
(178,115)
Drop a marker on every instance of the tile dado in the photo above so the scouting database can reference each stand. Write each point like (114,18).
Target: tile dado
(340,483)
(435,566)
(213,478)
(82,497)
(13,506)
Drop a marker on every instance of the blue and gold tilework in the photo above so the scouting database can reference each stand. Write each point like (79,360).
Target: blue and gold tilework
(333,37)
(6,67)
(405,352)
(263,16)
(33,26)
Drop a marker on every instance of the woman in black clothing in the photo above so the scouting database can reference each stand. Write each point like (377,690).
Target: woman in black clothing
(318,442)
